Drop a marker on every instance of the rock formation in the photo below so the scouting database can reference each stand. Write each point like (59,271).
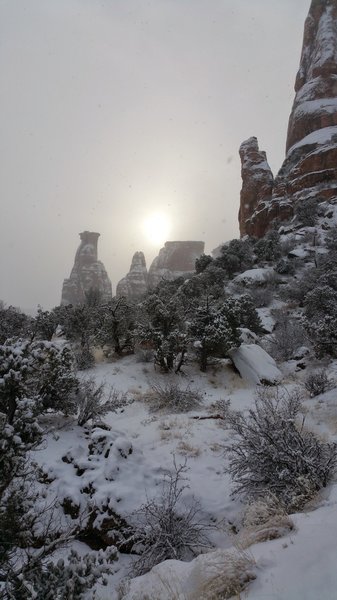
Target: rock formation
(310,166)
(174,260)
(257,181)
(134,284)
(88,273)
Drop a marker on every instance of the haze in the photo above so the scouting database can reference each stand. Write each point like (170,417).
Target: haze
(113,111)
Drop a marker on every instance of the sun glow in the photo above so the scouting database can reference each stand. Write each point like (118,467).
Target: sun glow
(157,228)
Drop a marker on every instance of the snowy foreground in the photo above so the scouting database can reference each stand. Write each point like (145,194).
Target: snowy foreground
(300,565)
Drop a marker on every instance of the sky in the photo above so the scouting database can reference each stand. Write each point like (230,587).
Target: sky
(115,113)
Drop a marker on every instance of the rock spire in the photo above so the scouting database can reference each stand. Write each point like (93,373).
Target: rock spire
(310,166)
(88,273)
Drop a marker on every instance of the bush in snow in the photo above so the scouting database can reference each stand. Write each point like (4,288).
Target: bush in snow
(271,453)
(323,333)
(269,247)
(93,403)
(287,337)
(214,330)
(167,528)
(318,382)
(68,579)
(161,326)
(172,398)
(40,371)
(306,212)
(13,323)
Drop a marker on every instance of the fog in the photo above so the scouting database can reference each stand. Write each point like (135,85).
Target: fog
(114,110)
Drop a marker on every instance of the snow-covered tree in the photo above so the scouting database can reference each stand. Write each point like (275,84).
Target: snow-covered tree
(115,324)
(214,331)
(13,323)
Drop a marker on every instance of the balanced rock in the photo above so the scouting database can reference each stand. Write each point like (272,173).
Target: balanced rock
(88,273)
(174,260)
(310,166)
(134,285)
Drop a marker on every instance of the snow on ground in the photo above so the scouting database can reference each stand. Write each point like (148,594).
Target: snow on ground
(295,567)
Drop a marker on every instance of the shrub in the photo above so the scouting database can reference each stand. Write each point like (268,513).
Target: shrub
(70,579)
(172,398)
(306,212)
(93,404)
(318,382)
(288,336)
(167,528)
(272,454)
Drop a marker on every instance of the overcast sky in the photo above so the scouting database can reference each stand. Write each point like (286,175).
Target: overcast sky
(114,110)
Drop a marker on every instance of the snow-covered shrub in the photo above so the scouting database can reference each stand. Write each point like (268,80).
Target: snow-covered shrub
(36,369)
(271,453)
(269,247)
(287,337)
(306,212)
(323,333)
(13,323)
(285,266)
(161,326)
(235,257)
(318,382)
(214,327)
(167,528)
(171,397)
(68,579)
(93,402)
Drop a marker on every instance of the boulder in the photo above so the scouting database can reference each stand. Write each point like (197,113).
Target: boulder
(255,365)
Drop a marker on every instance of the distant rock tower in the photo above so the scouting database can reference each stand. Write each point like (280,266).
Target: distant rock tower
(88,273)
(134,284)
(310,167)
(174,260)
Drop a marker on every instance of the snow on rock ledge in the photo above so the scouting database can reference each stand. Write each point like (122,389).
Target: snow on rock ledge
(255,364)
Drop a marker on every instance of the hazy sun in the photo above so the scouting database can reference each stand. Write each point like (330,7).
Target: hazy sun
(157,228)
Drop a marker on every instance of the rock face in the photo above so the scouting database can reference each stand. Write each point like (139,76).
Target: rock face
(135,283)
(174,260)
(87,273)
(310,166)
(257,182)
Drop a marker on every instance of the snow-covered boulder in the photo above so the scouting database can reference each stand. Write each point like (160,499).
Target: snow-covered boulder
(255,276)
(255,364)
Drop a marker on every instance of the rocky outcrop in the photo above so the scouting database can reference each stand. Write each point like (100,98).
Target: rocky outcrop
(135,284)
(174,260)
(88,273)
(257,182)
(310,166)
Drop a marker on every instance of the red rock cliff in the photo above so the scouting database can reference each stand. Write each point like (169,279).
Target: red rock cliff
(310,166)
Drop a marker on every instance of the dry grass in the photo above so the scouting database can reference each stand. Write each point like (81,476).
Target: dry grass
(264,520)
(222,578)
(187,449)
